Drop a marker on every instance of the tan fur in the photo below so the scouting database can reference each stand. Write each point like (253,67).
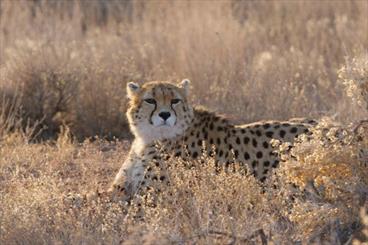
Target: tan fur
(195,131)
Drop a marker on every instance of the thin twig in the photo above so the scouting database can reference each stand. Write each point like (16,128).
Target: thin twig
(359,124)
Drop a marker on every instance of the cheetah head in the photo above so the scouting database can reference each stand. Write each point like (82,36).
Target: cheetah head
(158,110)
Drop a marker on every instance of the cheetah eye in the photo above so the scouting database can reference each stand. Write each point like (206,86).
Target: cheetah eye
(175,101)
(150,101)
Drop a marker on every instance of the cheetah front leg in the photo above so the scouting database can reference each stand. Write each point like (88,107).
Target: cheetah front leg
(131,174)
(127,182)
(128,179)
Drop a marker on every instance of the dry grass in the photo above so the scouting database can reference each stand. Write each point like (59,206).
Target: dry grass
(44,188)
(64,66)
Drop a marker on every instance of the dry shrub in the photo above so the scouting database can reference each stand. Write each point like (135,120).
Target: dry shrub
(13,127)
(354,75)
(332,167)
(56,86)
(42,188)
(8,118)
(203,206)
(327,167)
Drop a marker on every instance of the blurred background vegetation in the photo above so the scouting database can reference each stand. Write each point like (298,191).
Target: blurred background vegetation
(67,62)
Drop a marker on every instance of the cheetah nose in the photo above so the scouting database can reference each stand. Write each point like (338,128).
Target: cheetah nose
(164,115)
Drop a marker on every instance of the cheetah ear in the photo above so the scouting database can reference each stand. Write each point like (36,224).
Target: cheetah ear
(132,89)
(185,84)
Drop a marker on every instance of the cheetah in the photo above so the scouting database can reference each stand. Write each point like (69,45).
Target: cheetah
(159,113)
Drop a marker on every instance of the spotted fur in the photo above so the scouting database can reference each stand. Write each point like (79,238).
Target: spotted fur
(159,113)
